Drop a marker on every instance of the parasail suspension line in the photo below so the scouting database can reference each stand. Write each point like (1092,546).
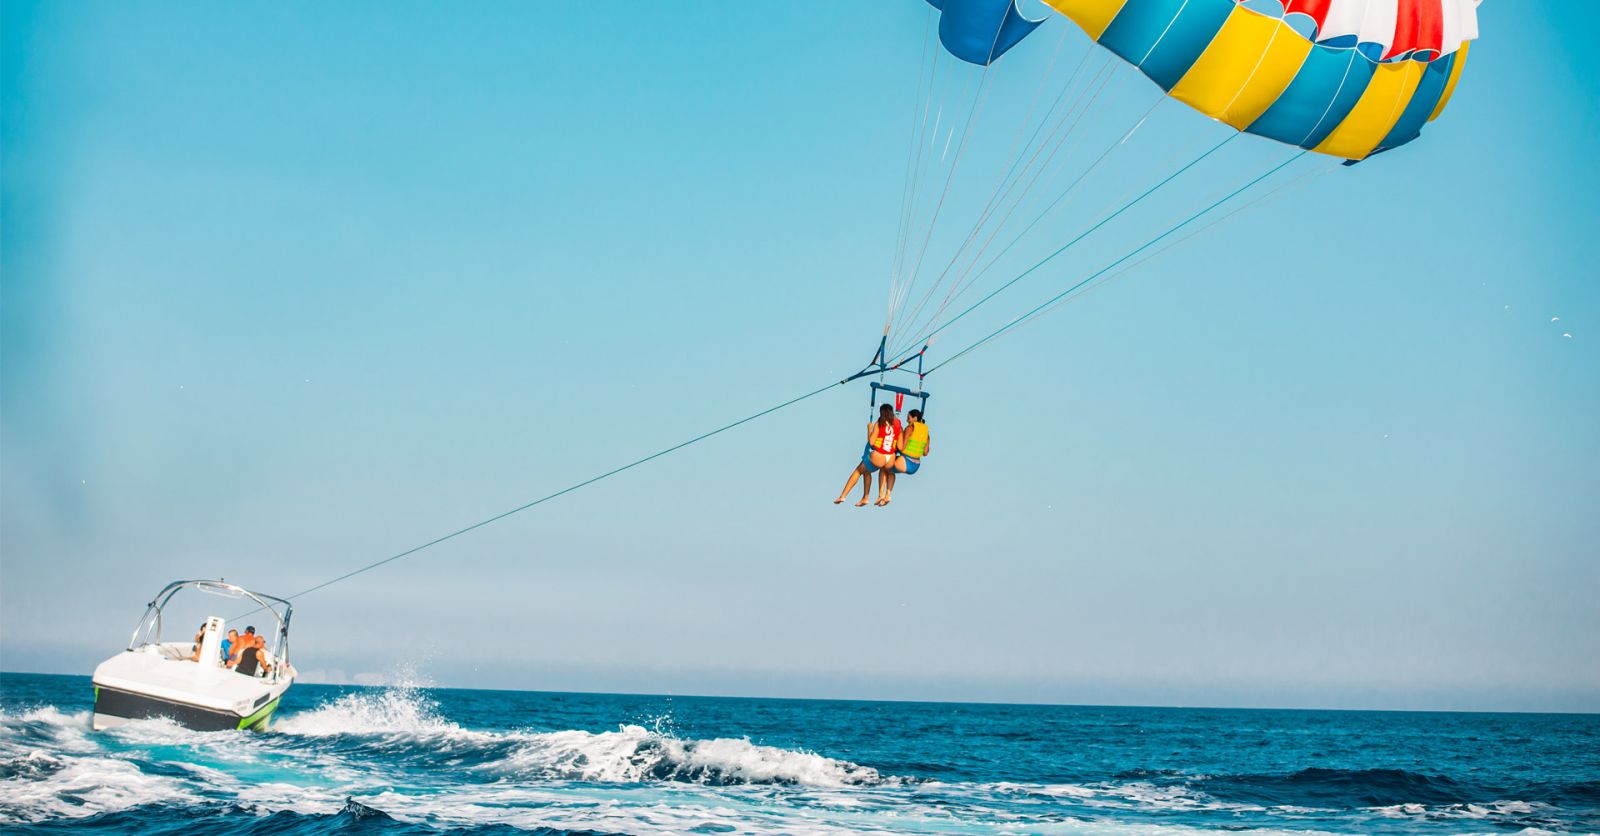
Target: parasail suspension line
(1109,267)
(1086,233)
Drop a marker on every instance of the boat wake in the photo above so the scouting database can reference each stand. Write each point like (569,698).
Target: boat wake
(403,723)
(392,759)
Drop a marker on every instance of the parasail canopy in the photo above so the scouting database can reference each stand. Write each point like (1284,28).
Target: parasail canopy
(1347,78)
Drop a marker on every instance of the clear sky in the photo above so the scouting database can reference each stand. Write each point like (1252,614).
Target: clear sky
(289,288)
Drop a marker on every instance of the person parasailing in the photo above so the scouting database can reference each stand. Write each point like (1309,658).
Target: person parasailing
(914,444)
(883,442)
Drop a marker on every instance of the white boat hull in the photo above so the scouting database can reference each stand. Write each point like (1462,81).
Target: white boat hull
(159,681)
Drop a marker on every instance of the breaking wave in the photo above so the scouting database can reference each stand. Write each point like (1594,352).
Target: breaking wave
(405,723)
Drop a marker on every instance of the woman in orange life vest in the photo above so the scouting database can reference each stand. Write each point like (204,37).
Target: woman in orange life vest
(914,444)
(883,440)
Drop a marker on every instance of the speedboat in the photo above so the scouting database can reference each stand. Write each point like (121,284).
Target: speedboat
(190,681)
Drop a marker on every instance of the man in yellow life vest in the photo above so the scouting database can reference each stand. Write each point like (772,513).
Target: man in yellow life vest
(914,444)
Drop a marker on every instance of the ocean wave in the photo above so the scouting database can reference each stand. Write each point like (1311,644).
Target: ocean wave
(1392,790)
(49,769)
(1382,794)
(635,754)
(1350,787)
(1169,793)
(391,760)
(223,818)
(398,710)
(406,724)
(70,788)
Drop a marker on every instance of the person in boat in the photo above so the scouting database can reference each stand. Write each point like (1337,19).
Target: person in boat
(883,438)
(227,645)
(914,444)
(264,656)
(250,659)
(199,636)
(245,640)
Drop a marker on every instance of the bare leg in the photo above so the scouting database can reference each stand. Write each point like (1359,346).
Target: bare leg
(882,462)
(854,475)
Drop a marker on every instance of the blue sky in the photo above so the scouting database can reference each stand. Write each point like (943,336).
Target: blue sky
(287,290)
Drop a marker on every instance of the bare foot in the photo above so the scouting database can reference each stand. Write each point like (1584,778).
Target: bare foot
(861,503)
(839,500)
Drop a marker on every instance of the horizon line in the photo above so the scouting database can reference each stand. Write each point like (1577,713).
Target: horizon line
(999,703)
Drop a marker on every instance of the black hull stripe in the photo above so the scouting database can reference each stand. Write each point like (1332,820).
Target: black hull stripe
(130,706)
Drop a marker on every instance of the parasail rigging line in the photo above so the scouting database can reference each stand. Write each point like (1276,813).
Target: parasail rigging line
(1113,265)
(968,279)
(1298,181)
(925,139)
(966,131)
(913,174)
(1014,154)
(1082,235)
(1102,79)
(563,492)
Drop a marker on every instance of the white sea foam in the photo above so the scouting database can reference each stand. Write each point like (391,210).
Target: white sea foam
(1496,810)
(85,787)
(400,710)
(630,754)
(393,751)
(609,781)
(634,754)
(54,771)
(742,811)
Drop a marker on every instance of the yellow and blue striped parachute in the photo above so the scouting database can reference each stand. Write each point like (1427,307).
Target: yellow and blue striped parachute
(1348,78)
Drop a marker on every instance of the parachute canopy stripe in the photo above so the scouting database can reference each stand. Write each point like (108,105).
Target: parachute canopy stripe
(1092,16)
(1429,92)
(1459,60)
(1340,77)
(1248,65)
(1460,24)
(1329,84)
(1418,29)
(1381,30)
(1375,113)
(1180,44)
(980,31)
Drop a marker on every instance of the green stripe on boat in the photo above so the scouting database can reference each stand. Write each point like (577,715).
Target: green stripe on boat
(260,717)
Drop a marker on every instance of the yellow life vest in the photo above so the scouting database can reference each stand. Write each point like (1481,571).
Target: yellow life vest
(916,440)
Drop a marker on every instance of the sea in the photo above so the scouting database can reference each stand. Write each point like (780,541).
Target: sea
(414,760)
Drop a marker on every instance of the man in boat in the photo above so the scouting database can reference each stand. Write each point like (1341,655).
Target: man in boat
(250,657)
(227,646)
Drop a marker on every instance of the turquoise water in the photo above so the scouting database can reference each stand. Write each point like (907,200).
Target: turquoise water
(409,760)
